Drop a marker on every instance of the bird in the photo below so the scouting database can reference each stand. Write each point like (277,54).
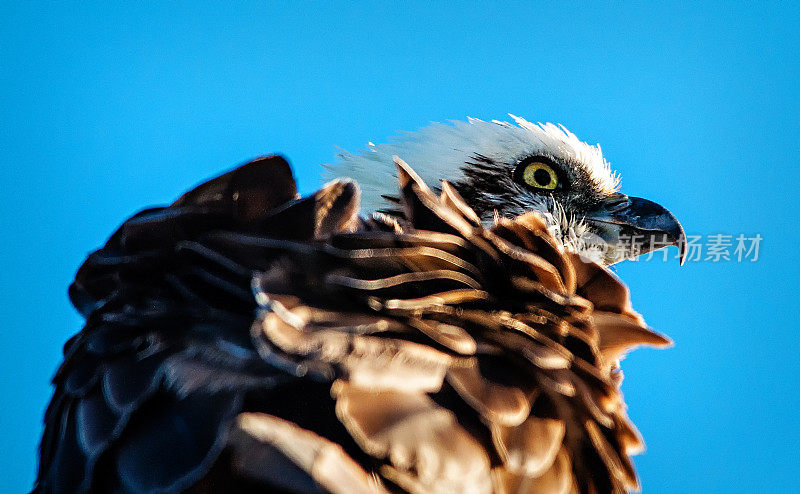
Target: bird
(507,169)
(409,334)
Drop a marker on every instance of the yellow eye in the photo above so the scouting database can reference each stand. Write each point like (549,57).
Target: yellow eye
(540,176)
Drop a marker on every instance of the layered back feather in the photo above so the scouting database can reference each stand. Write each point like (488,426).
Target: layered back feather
(246,340)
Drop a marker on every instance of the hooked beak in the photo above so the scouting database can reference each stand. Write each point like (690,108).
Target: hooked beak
(631,226)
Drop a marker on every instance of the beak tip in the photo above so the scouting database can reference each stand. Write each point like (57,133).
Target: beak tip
(681,242)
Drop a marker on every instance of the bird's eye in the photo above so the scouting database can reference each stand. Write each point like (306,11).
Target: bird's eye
(540,176)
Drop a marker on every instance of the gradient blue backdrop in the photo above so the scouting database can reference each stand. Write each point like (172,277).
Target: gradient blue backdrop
(106,110)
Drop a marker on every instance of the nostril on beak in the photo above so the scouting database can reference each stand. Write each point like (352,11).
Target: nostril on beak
(618,202)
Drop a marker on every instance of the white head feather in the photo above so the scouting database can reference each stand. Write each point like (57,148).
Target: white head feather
(440,150)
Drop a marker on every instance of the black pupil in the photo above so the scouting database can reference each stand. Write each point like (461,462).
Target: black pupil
(542,177)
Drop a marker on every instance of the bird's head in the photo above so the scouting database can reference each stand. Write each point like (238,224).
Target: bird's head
(502,169)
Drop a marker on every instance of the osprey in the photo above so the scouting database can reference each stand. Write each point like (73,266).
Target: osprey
(243,339)
(505,170)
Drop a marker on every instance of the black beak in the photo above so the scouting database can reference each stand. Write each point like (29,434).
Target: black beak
(647,225)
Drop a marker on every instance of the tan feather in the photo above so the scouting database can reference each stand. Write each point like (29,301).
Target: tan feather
(502,405)
(452,199)
(416,436)
(257,437)
(618,333)
(530,448)
(557,479)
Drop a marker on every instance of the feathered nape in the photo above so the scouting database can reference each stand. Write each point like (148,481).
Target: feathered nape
(446,147)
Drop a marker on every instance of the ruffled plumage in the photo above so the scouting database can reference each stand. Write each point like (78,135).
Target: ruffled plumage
(244,339)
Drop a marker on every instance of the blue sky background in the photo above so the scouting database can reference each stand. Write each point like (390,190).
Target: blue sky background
(108,109)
